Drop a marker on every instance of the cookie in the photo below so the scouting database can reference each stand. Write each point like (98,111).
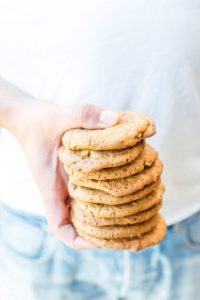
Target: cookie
(117,231)
(95,196)
(146,159)
(92,160)
(131,128)
(123,210)
(132,219)
(123,186)
(135,244)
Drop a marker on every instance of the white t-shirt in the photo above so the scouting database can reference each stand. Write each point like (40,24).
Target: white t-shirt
(122,55)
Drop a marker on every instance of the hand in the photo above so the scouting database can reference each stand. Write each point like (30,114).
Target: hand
(39,133)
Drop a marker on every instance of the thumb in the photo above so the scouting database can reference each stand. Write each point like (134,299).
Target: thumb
(87,116)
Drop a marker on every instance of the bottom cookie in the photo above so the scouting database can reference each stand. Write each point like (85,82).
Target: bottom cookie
(135,244)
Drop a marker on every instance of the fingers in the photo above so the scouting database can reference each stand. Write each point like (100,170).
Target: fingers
(67,234)
(90,116)
(86,116)
(60,226)
(41,150)
(57,205)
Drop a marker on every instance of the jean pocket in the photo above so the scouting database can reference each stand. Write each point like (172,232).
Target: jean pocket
(24,237)
(190,229)
(193,231)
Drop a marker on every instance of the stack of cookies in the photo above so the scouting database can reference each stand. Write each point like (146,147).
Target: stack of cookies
(115,184)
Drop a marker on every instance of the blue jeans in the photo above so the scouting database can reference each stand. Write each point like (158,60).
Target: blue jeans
(36,266)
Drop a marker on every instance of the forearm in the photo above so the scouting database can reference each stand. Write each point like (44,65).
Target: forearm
(12,104)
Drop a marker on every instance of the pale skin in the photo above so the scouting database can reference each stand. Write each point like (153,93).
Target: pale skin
(38,127)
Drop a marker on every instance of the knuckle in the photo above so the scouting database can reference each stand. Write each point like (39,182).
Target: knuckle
(84,112)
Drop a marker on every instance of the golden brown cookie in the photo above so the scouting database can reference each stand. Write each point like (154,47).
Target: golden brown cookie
(146,159)
(132,219)
(91,160)
(123,210)
(123,186)
(95,196)
(117,231)
(135,244)
(131,129)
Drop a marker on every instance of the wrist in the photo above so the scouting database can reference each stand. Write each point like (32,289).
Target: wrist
(13,104)
(12,113)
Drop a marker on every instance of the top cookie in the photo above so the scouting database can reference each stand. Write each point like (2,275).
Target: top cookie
(131,129)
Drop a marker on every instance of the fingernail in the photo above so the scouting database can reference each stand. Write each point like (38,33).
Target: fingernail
(108,118)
